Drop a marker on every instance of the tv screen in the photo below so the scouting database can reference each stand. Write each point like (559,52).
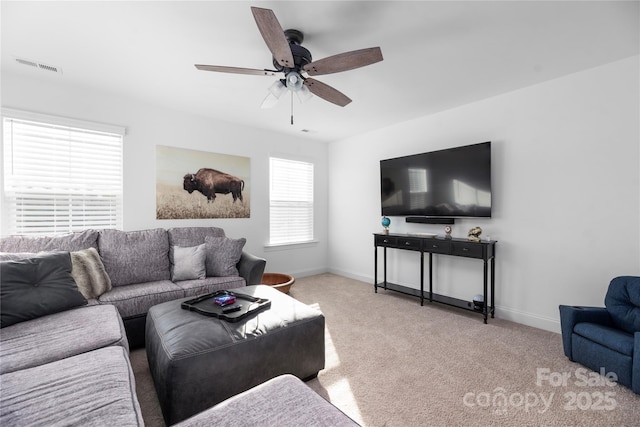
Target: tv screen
(455,182)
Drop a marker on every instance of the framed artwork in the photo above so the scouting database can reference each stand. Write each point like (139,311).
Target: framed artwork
(192,184)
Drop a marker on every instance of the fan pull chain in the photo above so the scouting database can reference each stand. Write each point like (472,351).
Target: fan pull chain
(291,108)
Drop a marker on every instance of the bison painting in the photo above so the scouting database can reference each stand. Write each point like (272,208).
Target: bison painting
(210,181)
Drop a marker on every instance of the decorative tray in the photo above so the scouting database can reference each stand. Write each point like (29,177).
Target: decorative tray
(206,305)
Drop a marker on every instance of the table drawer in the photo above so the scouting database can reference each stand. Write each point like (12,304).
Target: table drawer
(409,243)
(386,241)
(471,250)
(437,246)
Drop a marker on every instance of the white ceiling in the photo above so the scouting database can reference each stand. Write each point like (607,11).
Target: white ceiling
(437,54)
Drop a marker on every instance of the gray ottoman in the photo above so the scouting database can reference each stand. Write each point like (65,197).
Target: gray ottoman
(197,361)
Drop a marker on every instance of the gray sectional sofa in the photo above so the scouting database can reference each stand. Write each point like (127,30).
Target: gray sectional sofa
(146,267)
(68,368)
(71,306)
(72,368)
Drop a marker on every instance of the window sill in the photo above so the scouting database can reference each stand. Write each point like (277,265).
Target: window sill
(287,246)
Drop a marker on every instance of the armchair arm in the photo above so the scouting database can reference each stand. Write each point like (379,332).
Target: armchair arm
(635,367)
(251,268)
(570,315)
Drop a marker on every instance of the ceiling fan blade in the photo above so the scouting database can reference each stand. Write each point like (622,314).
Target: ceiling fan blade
(344,61)
(326,92)
(273,36)
(235,70)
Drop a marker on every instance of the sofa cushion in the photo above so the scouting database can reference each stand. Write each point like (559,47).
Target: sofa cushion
(208,285)
(46,339)
(192,236)
(283,401)
(89,273)
(623,303)
(135,256)
(14,256)
(37,286)
(223,255)
(187,263)
(135,300)
(612,338)
(95,388)
(67,242)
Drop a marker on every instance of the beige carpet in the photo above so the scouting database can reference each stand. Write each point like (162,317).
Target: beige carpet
(391,362)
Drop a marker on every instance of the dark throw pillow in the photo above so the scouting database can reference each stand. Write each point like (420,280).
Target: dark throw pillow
(37,286)
(223,254)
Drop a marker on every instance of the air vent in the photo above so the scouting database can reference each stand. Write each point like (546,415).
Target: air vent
(38,65)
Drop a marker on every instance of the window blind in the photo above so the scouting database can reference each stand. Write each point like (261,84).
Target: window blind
(59,179)
(290,201)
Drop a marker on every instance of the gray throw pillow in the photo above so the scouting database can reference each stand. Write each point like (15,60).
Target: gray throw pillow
(37,286)
(188,263)
(223,254)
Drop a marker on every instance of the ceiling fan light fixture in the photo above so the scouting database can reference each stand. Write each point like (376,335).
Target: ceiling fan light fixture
(294,81)
(277,89)
(269,101)
(304,94)
(274,93)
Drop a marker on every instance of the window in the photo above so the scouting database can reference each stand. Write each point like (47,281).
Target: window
(418,188)
(60,175)
(290,201)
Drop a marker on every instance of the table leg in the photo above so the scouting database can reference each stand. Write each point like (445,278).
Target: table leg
(421,278)
(493,285)
(375,269)
(485,306)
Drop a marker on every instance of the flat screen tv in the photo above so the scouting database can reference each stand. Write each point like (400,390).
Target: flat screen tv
(454,182)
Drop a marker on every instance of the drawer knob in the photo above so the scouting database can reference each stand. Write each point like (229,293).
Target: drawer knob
(385,241)
(407,243)
(465,249)
(435,246)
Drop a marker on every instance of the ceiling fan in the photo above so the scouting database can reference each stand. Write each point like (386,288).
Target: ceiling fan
(294,62)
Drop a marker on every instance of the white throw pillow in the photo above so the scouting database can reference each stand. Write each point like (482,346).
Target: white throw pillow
(188,263)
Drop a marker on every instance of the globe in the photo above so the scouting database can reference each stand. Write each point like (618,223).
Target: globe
(385,221)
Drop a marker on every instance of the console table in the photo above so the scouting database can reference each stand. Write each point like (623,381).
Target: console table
(484,250)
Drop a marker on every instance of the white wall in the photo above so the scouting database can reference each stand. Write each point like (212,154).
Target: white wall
(566,193)
(149,126)
(566,184)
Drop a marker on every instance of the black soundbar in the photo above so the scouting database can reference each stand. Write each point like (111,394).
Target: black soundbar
(429,220)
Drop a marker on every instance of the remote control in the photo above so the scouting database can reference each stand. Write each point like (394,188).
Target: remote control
(231,308)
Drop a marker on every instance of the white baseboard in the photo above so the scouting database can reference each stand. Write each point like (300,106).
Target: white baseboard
(529,319)
(512,315)
(350,275)
(305,273)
